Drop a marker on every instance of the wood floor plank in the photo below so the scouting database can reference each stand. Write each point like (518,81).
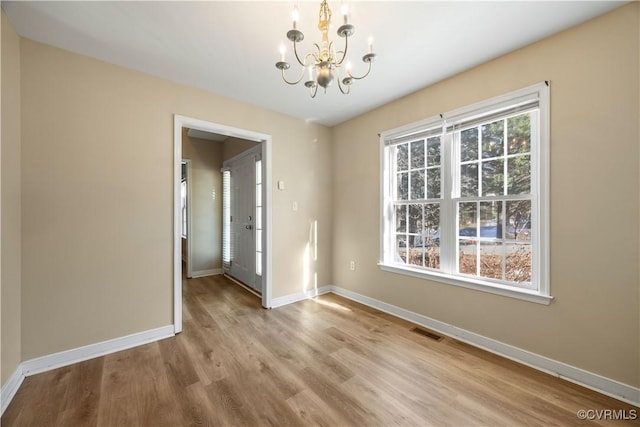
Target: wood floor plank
(327,362)
(312,410)
(82,398)
(348,407)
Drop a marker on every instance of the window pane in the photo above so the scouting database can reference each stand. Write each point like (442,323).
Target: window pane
(417,185)
(259,240)
(415,218)
(467,258)
(433,151)
(258,218)
(417,154)
(401,248)
(403,186)
(401,218)
(432,220)
(402,157)
(258,171)
(416,251)
(518,262)
(491,259)
(491,220)
(493,177)
(433,183)
(259,195)
(432,257)
(259,263)
(469,145)
(518,219)
(469,180)
(519,134)
(493,139)
(467,219)
(519,175)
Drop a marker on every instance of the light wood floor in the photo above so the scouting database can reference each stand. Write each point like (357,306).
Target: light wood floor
(328,362)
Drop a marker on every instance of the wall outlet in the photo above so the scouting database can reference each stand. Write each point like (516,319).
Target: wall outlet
(352,266)
(294,206)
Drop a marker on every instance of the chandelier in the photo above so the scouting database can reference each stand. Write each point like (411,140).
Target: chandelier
(324,65)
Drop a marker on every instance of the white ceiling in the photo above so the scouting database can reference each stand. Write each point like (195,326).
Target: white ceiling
(230,47)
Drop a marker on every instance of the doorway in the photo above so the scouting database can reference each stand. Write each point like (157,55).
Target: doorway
(265,197)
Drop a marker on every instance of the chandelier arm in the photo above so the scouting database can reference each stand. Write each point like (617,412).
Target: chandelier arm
(293,82)
(313,57)
(342,89)
(346,48)
(363,76)
(295,50)
(313,91)
(319,51)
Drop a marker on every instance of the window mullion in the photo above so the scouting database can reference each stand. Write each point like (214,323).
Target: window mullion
(480,162)
(448,216)
(391,184)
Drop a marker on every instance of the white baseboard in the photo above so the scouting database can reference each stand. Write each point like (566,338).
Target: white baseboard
(10,388)
(290,299)
(80,354)
(205,273)
(587,379)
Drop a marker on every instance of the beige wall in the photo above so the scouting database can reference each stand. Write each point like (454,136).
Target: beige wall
(593,323)
(206,202)
(10,251)
(97,201)
(234,146)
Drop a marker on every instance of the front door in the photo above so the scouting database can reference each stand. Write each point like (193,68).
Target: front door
(243,221)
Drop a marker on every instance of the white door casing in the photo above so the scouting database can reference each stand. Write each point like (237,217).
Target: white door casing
(180,122)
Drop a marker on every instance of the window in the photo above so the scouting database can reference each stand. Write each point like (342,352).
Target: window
(259,217)
(465,196)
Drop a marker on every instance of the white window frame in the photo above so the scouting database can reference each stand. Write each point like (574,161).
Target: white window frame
(539,292)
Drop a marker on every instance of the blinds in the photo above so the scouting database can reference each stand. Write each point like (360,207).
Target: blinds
(227,250)
(422,134)
(472,120)
(524,100)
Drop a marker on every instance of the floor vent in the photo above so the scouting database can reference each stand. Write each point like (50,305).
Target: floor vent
(427,333)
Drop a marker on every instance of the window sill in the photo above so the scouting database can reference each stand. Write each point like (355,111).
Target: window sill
(522,294)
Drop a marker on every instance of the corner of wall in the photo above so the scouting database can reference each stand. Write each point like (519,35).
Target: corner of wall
(10,211)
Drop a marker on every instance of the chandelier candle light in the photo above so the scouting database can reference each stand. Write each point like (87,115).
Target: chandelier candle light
(326,61)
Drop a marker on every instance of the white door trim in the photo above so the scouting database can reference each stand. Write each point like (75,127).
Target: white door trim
(178,123)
